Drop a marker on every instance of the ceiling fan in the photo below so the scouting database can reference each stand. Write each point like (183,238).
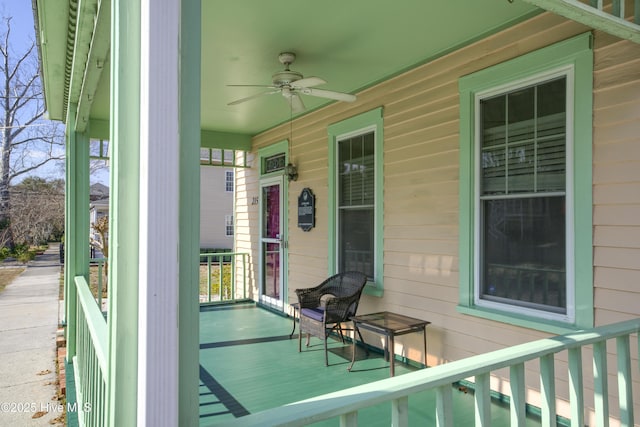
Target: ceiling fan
(291,84)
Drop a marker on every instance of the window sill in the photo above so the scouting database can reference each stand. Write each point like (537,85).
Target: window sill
(528,322)
(373,290)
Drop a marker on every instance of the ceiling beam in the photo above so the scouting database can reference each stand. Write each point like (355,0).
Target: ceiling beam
(97,62)
(592,16)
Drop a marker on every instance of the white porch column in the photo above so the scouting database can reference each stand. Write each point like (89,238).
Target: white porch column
(169,171)
(159,218)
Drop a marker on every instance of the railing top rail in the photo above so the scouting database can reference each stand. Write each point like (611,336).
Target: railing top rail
(356,398)
(95,321)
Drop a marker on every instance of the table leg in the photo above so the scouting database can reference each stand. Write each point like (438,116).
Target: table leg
(392,357)
(294,321)
(353,348)
(424,335)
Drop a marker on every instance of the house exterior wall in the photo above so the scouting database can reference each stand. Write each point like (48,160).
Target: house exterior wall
(421,190)
(215,203)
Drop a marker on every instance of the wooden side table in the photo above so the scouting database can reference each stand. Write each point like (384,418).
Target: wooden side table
(389,325)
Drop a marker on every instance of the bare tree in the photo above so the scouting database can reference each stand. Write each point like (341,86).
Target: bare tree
(37,210)
(27,141)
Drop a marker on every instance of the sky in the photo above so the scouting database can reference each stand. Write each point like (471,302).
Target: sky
(23,34)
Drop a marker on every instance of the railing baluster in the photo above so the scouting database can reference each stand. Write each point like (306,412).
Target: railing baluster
(518,397)
(209,278)
(618,8)
(483,400)
(349,419)
(220,275)
(232,273)
(444,406)
(400,412)
(576,389)
(100,266)
(601,389)
(548,390)
(625,388)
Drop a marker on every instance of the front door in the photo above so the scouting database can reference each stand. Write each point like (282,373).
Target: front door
(271,241)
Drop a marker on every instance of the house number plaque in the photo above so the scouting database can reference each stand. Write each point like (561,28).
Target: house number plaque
(306,210)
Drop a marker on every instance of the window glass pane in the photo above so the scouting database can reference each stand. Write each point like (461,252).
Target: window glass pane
(521,107)
(521,167)
(493,171)
(356,240)
(534,142)
(494,118)
(271,211)
(551,165)
(356,171)
(523,252)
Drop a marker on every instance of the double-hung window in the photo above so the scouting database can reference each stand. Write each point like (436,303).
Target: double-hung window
(355,182)
(525,189)
(228,181)
(356,203)
(228,225)
(521,255)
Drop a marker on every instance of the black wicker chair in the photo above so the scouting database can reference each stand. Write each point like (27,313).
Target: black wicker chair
(325,307)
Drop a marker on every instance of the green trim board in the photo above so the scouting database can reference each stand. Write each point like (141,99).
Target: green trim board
(372,119)
(124,208)
(189,210)
(227,140)
(576,55)
(99,129)
(77,225)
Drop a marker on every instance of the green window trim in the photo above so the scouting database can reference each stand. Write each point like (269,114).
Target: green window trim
(372,119)
(575,53)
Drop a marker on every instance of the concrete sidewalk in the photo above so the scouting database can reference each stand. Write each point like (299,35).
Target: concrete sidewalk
(28,324)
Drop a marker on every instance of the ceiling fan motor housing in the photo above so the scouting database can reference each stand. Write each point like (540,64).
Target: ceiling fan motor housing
(284,78)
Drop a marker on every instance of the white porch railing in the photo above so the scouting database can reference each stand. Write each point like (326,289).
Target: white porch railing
(100,263)
(345,404)
(226,277)
(90,362)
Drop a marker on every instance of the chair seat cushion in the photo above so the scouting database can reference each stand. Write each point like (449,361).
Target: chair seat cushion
(316,314)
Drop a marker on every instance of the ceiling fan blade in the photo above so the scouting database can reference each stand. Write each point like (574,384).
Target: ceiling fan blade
(249,98)
(329,94)
(297,106)
(308,82)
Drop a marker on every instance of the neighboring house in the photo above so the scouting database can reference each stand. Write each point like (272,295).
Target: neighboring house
(487,178)
(98,191)
(216,207)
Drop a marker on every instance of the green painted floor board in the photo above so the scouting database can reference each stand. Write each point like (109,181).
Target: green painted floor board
(249,364)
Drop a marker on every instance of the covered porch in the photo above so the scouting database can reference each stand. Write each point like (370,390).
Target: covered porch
(162,81)
(249,364)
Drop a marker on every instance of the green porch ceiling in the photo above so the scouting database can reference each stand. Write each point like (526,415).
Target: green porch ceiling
(351,45)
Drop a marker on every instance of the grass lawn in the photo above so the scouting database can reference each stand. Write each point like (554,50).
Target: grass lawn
(7,275)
